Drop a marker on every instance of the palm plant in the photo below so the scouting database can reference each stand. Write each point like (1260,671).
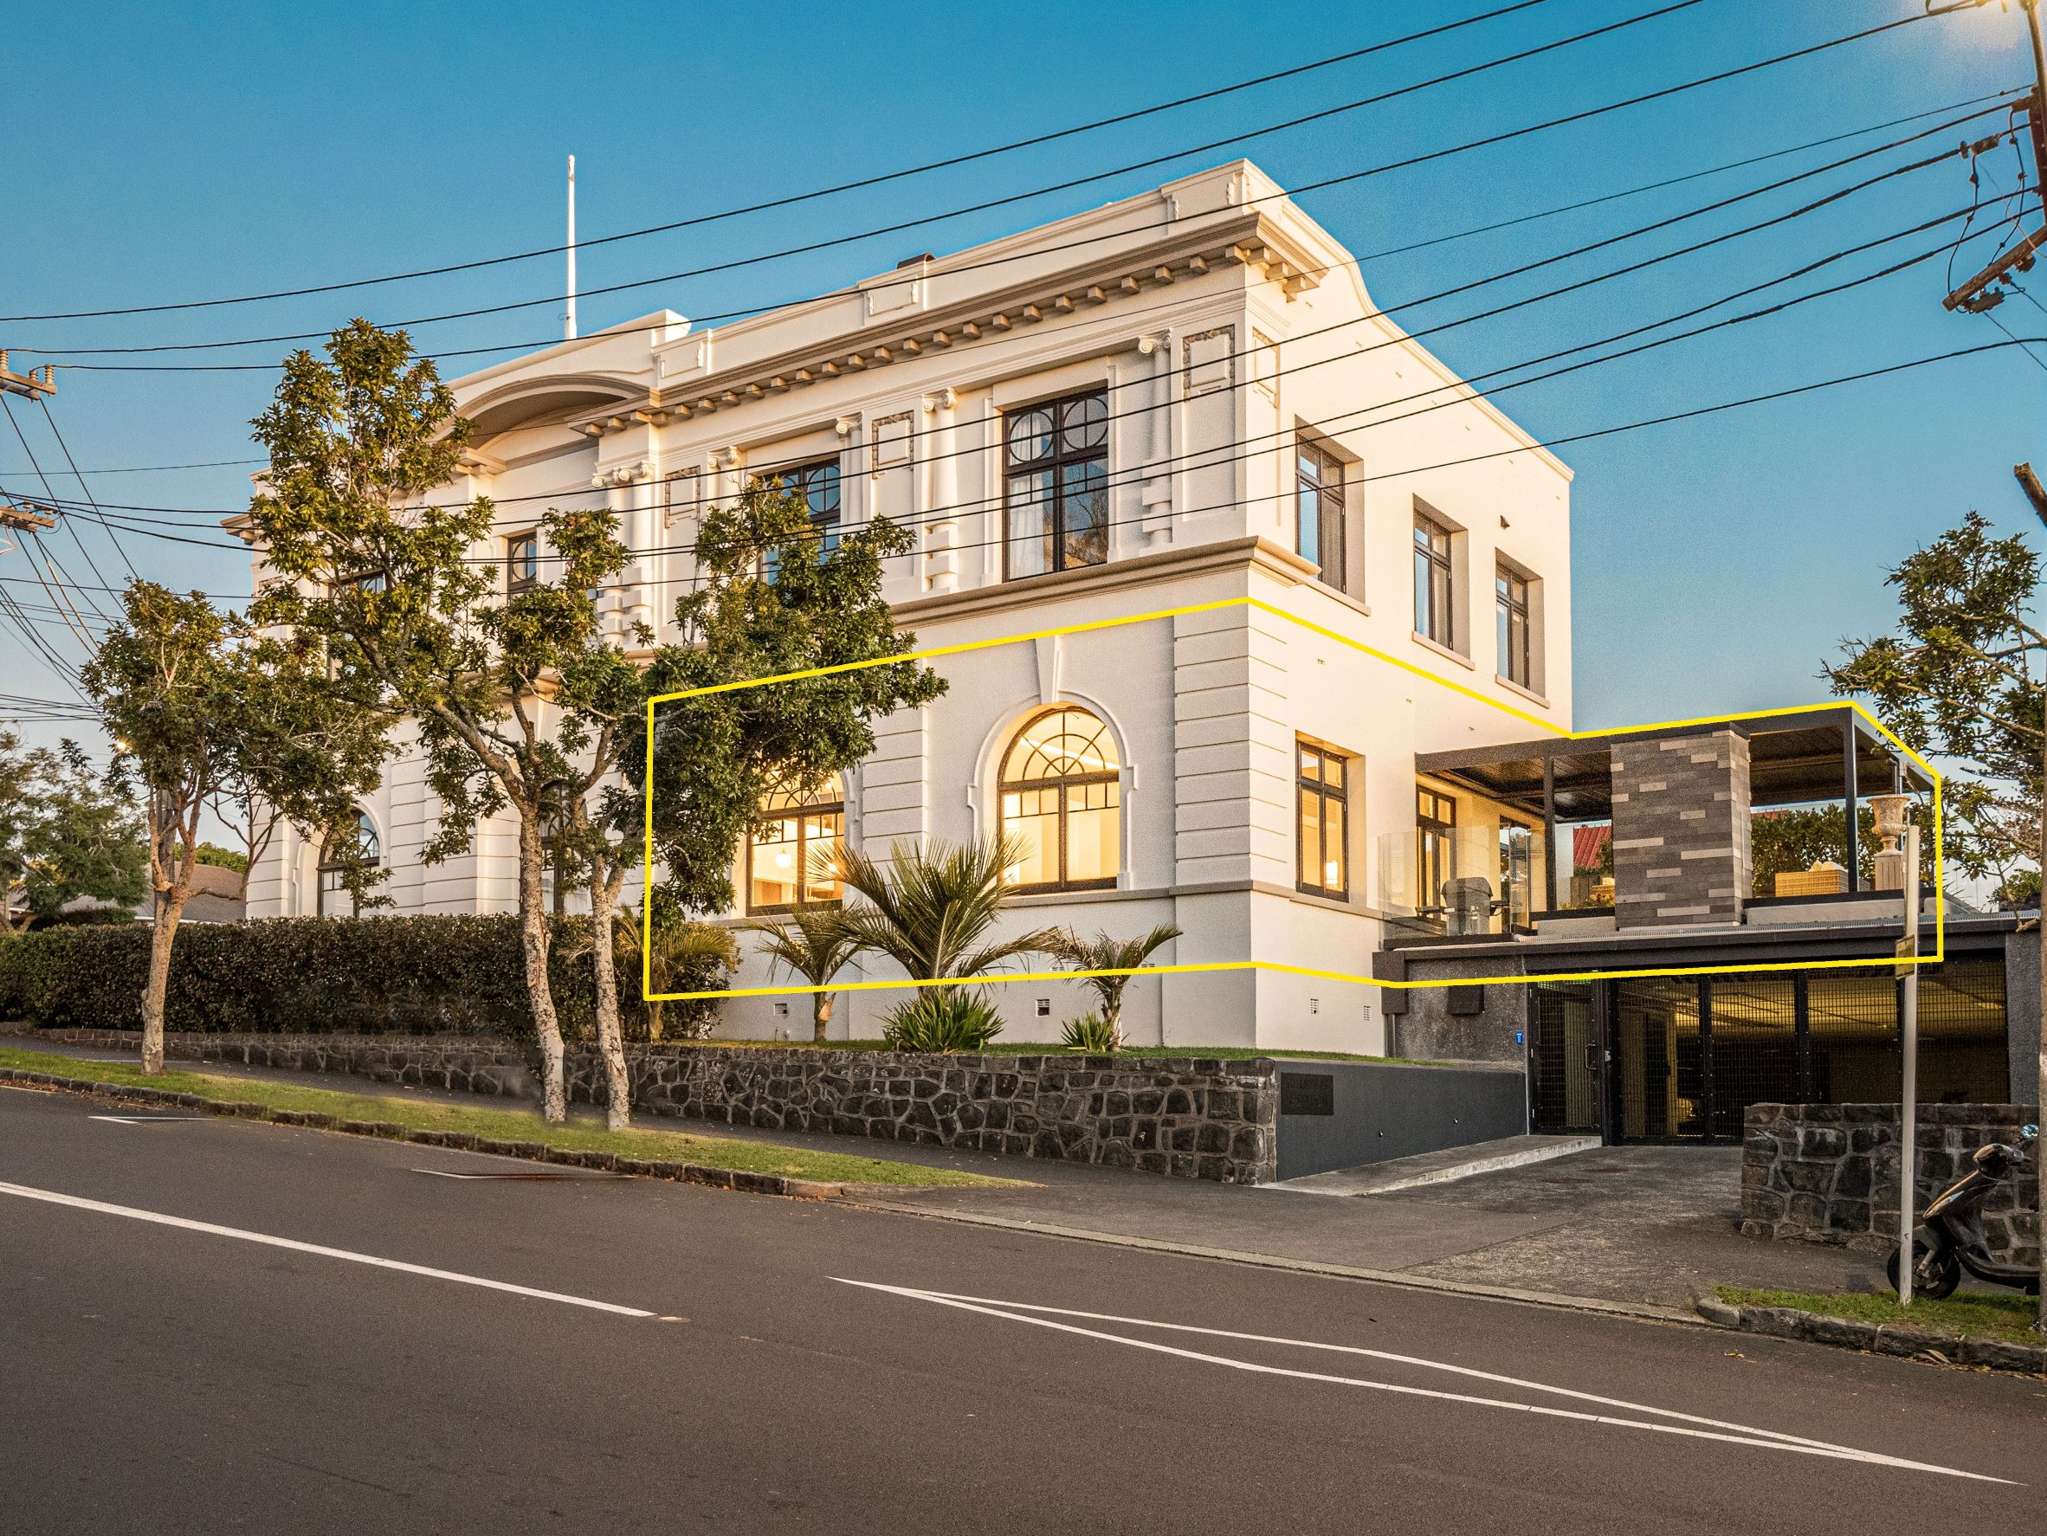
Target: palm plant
(811,942)
(1104,954)
(681,951)
(931,908)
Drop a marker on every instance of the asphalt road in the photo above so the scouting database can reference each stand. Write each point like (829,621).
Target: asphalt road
(323,1338)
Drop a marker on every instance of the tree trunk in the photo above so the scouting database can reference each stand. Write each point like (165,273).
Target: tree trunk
(820,1017)
(533,940)
(163,929)
(618,1086)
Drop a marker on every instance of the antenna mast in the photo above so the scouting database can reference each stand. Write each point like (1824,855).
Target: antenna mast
(569,314)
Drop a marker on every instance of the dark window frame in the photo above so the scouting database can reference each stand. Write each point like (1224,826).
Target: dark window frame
(1518,661)
(367,841)
(522,549)
(1435,549)
(1062,784)
(810,480)
(1323,793)
(1435,827)
(1062,463)
(796,811)
(1320,472)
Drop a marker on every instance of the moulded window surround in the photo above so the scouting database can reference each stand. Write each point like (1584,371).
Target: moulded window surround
(1322,842)
(783,857)
(1060,792)
(1319,518)
(1055,471)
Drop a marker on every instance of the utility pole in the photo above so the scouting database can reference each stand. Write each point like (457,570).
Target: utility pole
(33,385)
(1978,295)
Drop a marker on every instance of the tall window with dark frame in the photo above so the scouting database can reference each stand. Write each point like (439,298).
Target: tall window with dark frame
(1322,860)
(1061,793)
(333,892)
(522,563)
(1435,854)
(1517,651)
(788,852)
(1433,590)
(1318,507)
(817,485)
(1055,459)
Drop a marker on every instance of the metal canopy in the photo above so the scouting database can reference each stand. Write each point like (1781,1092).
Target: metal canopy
(1793,759)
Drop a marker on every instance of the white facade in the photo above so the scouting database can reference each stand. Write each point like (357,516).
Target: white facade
(1222,330)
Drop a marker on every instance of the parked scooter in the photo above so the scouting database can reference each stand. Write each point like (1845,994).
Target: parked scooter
(1951,1240)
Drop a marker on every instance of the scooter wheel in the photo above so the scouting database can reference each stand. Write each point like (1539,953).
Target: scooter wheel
(1934,1275)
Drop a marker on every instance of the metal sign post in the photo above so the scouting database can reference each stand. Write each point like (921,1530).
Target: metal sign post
(1908,1099)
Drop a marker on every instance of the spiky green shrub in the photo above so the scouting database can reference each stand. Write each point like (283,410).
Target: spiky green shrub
(1090,1033)
(943,1019)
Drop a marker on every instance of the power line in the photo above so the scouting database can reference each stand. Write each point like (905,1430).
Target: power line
(7,408)
(792,199)
(942,216)
(1801,211)
(44,402)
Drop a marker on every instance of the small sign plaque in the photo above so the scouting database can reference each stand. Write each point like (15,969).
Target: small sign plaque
(1307,1093)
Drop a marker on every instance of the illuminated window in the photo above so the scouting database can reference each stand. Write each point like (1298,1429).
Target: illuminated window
(1323,790)
(1062,800)
(1435,859)
(334,894)
(789,857)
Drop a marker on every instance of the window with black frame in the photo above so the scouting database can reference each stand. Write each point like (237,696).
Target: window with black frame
(1433,589)
(1318,504)
(522,563)
(1322,860)
(1514,633)
(790,856)
(1435,857)
(1055,458)
(817,485)
(1061,793)
(340,873)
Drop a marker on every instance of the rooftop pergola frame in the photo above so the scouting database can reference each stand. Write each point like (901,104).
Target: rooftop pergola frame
(1794,759)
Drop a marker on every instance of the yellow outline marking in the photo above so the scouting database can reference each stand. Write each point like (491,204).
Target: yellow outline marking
(648,994)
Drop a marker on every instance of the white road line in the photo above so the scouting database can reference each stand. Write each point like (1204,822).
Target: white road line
(319,1250)
(1766,1440)
(148,1119)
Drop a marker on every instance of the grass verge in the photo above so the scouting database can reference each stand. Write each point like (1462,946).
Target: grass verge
(524,1127)
(1987,1316)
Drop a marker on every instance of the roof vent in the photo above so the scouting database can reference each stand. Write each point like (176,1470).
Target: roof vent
(914,261)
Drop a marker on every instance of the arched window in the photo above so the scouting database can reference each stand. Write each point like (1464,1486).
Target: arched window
(335,866)
(784,855)
(1062,799)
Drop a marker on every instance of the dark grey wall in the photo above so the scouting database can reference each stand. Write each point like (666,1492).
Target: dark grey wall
(1380,1111)
(1425,1027)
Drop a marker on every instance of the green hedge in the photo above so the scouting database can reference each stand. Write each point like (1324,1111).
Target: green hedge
(304,975)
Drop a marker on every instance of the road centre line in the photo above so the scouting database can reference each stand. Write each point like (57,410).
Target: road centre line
(318,1250)
(1759,1439)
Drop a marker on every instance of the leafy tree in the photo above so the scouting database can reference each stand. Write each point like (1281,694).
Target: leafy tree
(66,834)
(1797,837)
(1965,678)
(812,943)
(202,709)
(224,858)
(1105,957)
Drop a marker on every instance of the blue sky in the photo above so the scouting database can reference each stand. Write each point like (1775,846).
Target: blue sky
(183,152)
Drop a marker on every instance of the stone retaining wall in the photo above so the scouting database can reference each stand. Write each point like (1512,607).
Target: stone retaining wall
(1189,1117)
(1829,1172)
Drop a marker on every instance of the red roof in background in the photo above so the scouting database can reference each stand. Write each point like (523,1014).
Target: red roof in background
(1588,844)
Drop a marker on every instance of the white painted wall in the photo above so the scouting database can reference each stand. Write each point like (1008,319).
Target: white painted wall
(1224,323)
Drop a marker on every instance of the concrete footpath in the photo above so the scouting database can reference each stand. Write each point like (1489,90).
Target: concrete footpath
(1634,1226)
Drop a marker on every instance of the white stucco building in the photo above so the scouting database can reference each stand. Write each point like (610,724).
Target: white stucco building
(1181,397)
